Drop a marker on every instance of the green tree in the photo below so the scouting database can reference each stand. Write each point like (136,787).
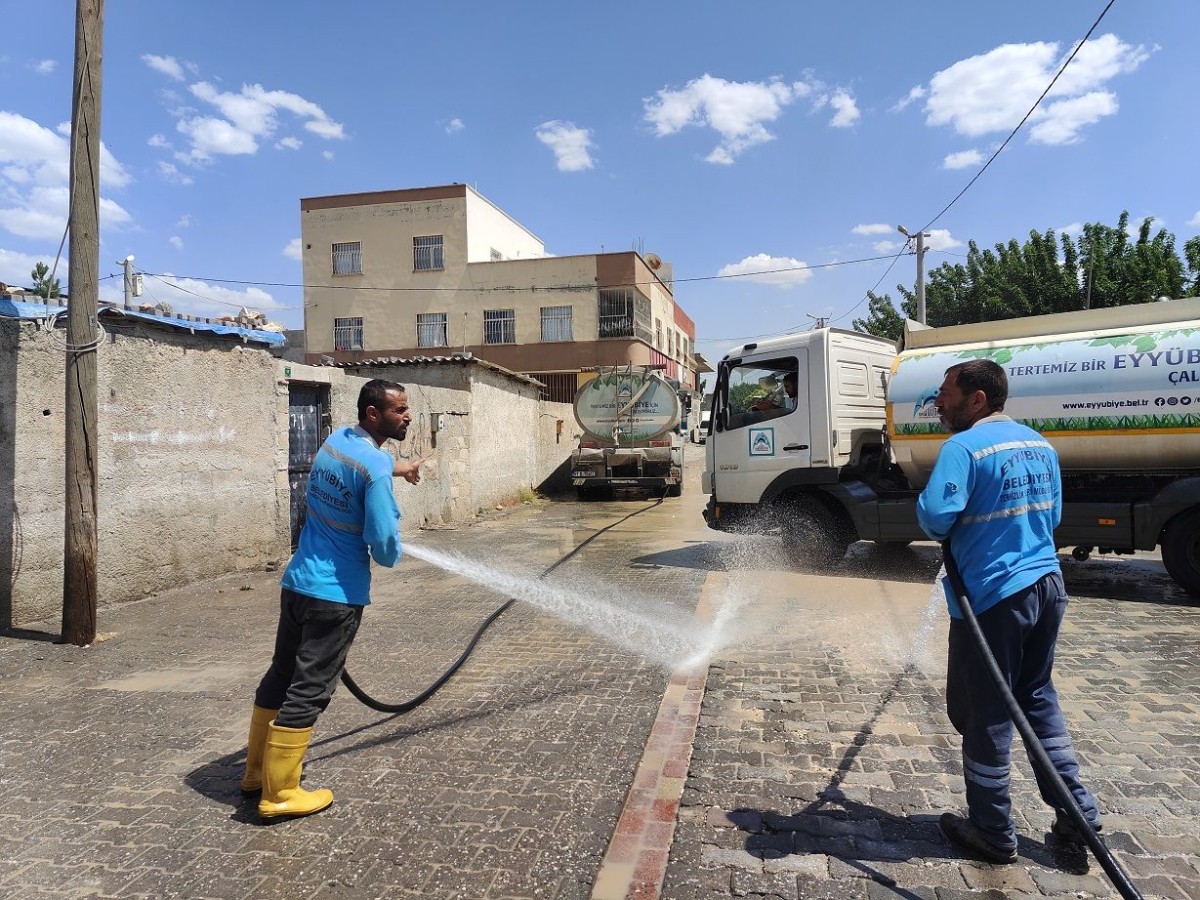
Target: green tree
(1048,273)
(43,284)
(882,319)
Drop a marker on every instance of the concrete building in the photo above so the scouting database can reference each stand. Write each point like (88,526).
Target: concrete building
(430,271)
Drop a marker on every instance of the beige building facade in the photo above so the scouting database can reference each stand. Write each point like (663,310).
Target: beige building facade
(440,270)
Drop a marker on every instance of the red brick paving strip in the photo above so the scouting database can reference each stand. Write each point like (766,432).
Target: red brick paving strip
(635,863)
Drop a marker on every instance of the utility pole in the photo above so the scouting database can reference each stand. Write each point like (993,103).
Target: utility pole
(127,262)
(919,237)
(80,543)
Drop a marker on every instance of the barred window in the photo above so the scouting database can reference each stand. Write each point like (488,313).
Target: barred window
(348,333)
(556,323)
(347,258)
(431,330)
(616,314)
(499,326)
(427,252)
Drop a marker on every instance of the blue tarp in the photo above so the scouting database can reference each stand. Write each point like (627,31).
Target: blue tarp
(14,309)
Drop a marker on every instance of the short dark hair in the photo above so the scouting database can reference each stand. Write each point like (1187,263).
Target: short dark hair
(374,393)
(982,375)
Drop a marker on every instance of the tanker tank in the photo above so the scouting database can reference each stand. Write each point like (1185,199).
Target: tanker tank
(1114,390)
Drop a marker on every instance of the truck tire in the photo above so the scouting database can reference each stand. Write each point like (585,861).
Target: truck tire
(1181,550)
(675,490)
(814,536)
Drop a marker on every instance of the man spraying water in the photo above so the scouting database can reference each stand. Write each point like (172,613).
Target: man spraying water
(996,493)
(352,518)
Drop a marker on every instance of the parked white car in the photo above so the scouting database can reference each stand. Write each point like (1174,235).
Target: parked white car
(700,430)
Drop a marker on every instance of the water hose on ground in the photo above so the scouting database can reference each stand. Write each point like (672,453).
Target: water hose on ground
(1037,753)
(409,705)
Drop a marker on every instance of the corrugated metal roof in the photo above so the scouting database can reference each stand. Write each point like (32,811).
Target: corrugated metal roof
(459,359)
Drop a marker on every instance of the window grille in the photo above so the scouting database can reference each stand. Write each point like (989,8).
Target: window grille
(499,326)
(556,323)
(496,255)
(347,258)
(348,333)
(616,314)
(427,252)
(431,330)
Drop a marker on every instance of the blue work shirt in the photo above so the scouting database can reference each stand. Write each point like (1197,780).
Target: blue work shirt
(996,492)
(352,518)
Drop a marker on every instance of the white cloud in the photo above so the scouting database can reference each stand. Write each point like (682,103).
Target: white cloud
(571,145)
(167,65)
(244,120)
(940,239)
(328,154)
(201,298)
(15,267)
(780,271)
(737,111)
(915,94)
(454,126)
(45,66)
(34,174)
(185,221)
(873,228)
(845,109)
(175,241)
(887,246)
(991,92)
(1194,221)
(170,172)
(293,250)
(962,159)
(160,141)
(1073,230)
(1065,117)
(289,143)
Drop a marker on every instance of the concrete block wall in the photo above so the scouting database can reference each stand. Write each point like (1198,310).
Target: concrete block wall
(186,447)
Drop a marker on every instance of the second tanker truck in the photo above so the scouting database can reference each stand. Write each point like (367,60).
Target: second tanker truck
(1116,391)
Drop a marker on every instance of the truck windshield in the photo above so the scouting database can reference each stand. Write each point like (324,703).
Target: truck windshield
(755,391)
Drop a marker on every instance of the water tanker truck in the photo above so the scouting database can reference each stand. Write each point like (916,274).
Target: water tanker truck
(1116,391)
(630,419)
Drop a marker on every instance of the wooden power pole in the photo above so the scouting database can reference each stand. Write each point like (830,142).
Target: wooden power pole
(80,544)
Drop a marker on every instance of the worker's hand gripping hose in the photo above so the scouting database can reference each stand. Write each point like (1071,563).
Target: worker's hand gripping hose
(1037,753)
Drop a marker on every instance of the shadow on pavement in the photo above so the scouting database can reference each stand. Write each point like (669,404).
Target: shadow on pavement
(29,634)
(220,780)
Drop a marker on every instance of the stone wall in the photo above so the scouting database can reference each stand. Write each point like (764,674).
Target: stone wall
(193,456)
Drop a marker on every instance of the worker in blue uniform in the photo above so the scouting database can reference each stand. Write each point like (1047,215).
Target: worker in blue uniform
(351,519)
(996,494)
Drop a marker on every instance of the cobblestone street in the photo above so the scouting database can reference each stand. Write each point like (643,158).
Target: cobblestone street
(810,759)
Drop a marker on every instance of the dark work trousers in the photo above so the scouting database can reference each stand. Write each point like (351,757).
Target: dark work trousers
(1021,631)
(311,646)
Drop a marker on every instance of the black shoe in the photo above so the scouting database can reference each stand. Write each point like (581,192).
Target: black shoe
(966,835)
(1066,834)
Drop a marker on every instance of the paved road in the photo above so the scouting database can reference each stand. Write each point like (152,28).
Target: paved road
(817,765)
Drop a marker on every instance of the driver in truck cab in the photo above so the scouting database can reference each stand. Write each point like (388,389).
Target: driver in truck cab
(778,403)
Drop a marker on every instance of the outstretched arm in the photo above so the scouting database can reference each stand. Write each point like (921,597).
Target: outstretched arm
(408,469)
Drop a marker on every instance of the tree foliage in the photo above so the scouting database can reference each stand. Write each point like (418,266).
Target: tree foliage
(43,284)
(1103,266)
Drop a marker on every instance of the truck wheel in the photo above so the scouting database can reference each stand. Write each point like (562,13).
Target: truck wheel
(814,537)
(675,490)
(1181,550)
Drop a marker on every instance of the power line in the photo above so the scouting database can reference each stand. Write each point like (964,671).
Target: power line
(875,287)
(1037,103)
(167,279)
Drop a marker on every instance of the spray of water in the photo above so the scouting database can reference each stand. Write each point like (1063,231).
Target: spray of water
(656,631)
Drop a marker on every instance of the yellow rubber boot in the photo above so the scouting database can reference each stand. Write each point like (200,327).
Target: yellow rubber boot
(281,767)
(259,720)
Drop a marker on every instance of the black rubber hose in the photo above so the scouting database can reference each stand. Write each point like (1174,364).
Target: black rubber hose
(1037,752)
(409,705)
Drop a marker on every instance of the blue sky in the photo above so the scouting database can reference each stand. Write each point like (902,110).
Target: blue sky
(728,142)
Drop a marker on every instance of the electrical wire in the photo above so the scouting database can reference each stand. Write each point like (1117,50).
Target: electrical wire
(1037,103)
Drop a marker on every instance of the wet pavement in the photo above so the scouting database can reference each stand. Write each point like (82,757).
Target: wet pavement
(818,754)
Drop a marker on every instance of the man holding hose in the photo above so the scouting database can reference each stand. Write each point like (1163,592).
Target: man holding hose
(996,494)
(351,519)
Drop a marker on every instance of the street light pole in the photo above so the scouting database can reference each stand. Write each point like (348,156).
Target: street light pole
(919,238)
